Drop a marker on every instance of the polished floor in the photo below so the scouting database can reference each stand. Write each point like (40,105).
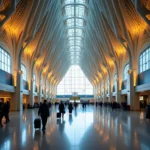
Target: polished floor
(90,129)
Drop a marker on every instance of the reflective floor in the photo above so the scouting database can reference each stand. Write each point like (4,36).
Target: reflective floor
(90,129)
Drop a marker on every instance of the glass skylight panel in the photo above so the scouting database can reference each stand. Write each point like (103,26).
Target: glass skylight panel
(81,1)
(69,1)
(71,38)
(70,22)
(78,48)
(79,38)
(71,43)
(78,42)
(80,11)
(71,32)
(75,53)
(79,32)
(75,11)
(75,44)
(75,32)
(69,11)
(79,22)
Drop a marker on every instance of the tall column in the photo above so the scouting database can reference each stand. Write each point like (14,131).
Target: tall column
(118,91)
(110,93)
(132,96)
(31,95)
(105,91)
(17,97)
(40,94)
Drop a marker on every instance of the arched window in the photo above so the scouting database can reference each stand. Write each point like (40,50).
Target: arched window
(4,60)
(23,68)
(125,72)
(144,60)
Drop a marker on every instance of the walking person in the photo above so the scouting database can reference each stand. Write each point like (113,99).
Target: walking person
(7,109)
(44,113)
(62,109)
(70,107)
(75,105)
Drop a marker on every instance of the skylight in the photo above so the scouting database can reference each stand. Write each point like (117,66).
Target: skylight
(75,13)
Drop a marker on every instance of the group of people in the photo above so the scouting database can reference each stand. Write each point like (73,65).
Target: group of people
(4,111)
(70,107)
(114,105)
(44,111)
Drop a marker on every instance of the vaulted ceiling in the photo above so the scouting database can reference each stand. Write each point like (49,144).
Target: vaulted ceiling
(51,35)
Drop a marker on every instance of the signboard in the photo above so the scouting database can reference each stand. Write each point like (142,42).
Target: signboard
(81,96)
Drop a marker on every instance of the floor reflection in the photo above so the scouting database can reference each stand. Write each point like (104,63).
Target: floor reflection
(84,129)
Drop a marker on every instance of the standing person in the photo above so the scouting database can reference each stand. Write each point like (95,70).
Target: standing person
(96,103)
(62,108)
(70,107)
(1,112)
(7,109)
(75,105)
(44,113)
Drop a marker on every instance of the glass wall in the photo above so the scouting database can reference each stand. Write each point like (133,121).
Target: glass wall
(34,82)
(145,60)
(23,68)
(75,81)
(4,60)
(125,72)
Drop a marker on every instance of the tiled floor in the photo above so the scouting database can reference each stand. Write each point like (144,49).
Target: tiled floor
(90,129)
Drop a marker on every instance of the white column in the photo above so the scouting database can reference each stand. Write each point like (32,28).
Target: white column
(132,96)
(118,91)
(31,95)
(110,93)
(16,104)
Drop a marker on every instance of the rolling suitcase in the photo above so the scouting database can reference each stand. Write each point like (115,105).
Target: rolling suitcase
(58,115)
(37,123)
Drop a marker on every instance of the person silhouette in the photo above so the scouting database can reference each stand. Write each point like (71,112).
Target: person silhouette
(44,113)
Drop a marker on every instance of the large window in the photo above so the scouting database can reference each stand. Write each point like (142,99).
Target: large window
(23,68)
(4,60)
(115,78)
(125,72)
(75,81)
(145,60)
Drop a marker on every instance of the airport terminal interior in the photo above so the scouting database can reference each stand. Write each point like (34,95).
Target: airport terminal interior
(91,54)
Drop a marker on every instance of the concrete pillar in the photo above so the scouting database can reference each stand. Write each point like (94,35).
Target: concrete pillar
(110,94)
(132,96)
(118,91)
(31,95)
(39,94)
(17,97)
(104,99)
